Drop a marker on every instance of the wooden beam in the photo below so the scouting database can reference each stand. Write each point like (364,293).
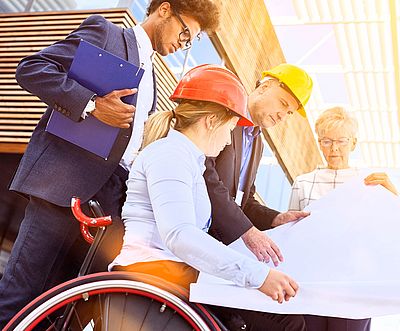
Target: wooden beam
(12,148)
(248,43)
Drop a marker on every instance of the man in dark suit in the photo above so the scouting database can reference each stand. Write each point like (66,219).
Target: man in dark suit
(53,170)
(230,177)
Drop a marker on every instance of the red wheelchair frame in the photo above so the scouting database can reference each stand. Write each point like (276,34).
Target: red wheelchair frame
(94,301)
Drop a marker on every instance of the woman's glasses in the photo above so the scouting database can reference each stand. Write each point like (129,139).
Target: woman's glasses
(326,142)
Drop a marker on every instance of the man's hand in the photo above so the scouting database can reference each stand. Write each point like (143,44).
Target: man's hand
(289,216)
(262,246)
(279,286)
(112,111)
(380,178)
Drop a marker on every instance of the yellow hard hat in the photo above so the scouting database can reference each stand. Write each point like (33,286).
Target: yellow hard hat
(296,80)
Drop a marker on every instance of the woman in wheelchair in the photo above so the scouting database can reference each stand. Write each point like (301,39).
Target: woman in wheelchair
(166,217)
(167,211)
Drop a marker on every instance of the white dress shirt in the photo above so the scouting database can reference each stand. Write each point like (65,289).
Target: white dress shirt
(145,96)
(167,215)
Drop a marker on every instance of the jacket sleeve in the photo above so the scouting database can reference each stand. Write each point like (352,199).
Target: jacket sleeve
(261,216)
(44,74)
(228,220)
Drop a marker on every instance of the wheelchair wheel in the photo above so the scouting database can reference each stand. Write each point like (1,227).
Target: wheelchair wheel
(114,301)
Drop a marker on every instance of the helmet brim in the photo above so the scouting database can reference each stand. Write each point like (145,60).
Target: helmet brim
(244,122)
(302,112)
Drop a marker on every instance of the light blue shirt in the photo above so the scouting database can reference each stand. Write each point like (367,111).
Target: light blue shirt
(167,212)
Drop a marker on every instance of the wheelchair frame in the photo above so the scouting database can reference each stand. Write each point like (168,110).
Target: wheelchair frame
(161,302)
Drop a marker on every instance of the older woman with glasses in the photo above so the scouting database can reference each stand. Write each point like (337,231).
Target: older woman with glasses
(336,131)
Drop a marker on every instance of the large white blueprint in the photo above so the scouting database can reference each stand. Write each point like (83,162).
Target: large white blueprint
(345,256)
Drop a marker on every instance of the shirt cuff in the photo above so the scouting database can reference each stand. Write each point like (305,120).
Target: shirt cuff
(91,105)
(258,275)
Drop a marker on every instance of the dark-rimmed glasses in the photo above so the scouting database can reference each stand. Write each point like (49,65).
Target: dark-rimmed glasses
(185,37)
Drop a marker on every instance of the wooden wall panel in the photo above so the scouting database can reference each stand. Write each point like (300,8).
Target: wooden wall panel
(22,34)
(246,41)
(249,45)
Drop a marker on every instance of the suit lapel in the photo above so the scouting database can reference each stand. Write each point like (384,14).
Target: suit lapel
(131,46)
(237,143)
(154,106)
(133,57)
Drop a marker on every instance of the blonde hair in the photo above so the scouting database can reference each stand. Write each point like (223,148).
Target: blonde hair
(336,118)
(184,116)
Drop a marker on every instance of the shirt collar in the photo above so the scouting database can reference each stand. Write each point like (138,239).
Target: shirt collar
(196,152)
(143,41)
(252,131)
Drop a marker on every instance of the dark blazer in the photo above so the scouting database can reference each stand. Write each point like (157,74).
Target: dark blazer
(53,169)
(229,221)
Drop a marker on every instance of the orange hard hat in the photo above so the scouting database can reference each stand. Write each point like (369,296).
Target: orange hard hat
(214,83)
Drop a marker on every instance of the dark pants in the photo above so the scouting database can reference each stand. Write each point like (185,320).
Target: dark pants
(322,323)
(49,249)
(183,275)
(235,319)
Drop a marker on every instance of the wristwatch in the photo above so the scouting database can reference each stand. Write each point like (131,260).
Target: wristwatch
(91,105)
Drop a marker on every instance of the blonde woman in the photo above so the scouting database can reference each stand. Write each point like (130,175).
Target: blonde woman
(337,138)
(167,212)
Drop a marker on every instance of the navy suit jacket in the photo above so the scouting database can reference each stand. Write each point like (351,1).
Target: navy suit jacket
(229,221)
(52,168)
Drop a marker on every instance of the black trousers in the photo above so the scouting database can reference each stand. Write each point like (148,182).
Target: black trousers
(322,323)
(235,319)
(49,248)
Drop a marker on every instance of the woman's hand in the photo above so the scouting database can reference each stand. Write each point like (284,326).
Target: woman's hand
(380,178)
(279,286)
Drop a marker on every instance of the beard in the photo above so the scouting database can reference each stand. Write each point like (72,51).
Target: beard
(159,32)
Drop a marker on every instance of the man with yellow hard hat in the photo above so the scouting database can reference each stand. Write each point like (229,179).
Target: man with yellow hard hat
(230,177)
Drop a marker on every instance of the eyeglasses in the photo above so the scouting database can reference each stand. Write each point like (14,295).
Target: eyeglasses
(185,36)
(326,142)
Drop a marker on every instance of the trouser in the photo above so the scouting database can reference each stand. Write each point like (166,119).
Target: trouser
(49,249)
(322,323)
(234,319)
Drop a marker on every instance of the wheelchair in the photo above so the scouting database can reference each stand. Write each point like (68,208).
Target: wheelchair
(112,300)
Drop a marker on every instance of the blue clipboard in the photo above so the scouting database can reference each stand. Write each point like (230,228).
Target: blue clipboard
(102,73)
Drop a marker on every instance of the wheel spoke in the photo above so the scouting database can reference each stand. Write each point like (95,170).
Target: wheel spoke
(78,320)
(64,308)
(169,320)
(147,312)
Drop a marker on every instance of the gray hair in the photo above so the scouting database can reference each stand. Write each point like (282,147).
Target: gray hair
(336,118)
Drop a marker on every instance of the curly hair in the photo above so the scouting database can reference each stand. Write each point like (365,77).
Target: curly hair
(206,12)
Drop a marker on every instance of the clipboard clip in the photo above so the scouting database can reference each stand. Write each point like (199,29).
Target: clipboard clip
(140,67)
